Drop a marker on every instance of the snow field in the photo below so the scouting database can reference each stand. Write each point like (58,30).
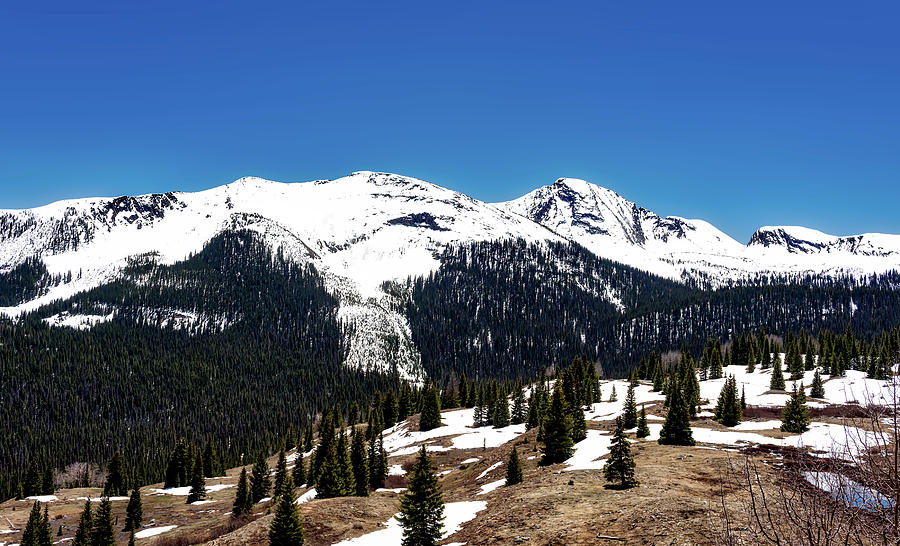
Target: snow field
(455,515)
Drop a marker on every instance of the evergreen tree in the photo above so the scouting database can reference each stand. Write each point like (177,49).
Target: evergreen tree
(431,413)
(388,410)
(299,473)
(579,424)
(534,418)
(501,413)
(376,465)
(463,391)
(360,463)
(612,395)
(795,415)
(37,530)
(346,465)
(557,430)
(103,533)
(629,412)
(281,474)
(777,381)
(817,389)
(242,500)
(336,478)
(676,429)
(728,407)
(308,438)
(286,528)
(48,487)
(260,481)
(212,466)
(85,525)
(619,468)
(115,477)
(134,512)
(33,480)
(520,409)
(643,430)
(513,468)
(422,505)
(743,399)
(177,471)
(198,482)
(131,538)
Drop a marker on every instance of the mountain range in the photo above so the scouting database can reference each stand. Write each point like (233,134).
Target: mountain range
(367,229)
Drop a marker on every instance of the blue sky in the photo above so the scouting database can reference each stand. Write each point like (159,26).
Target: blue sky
(743,115)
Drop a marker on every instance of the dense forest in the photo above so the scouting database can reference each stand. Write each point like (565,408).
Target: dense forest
(237,344)
(507,309)
(71,395)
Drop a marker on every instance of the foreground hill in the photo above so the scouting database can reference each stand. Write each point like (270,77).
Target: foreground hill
(676,502)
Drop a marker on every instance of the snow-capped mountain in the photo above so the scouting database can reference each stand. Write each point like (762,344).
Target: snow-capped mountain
(613,227)
(367,228)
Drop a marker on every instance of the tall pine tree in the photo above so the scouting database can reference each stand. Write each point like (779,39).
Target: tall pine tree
(422,505)
(286,528)
(619,468)
(557,430)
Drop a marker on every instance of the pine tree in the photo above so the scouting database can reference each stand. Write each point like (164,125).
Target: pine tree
(103,533)
(212,466)
(115,478)
(579,424)
(431,413)
(777,381)
(37,530)
(795,416)
(131,538)
(520,409)
(360,464)
(48,487)
(198,482)
(345,466)
(743,399)
(286,528)
(619,468)
(534,417)
(299,473)
(336,478)
(376,465)
(422,505)
(643,430)
(134,512)
(817,389)
(501,413)
(728,407)
(33,480)
(629,412)
(676,429)
(612,395)
(281,474)
(308,438)
(85,525)
(242,500)
(260,482)
(513,468)
(177,471)
(557,430)
(463,391)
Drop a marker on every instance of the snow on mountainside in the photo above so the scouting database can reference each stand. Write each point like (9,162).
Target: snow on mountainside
(615,228)
(359,231)
(367,228)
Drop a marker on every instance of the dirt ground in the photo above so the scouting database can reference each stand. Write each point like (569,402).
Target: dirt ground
(676,502)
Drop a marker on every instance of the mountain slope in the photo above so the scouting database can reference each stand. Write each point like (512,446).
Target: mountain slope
(615,228)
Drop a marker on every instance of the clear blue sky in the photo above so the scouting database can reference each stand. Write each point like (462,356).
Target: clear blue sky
(763,113)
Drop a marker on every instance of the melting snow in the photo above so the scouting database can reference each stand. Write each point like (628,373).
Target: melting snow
(455,515)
